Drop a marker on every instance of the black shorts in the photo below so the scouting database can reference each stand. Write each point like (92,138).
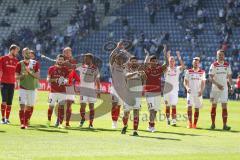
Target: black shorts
(7,92)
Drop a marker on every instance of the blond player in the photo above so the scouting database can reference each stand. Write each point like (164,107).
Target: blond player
(90,84)
(220,74)
(172,81)
(194,83)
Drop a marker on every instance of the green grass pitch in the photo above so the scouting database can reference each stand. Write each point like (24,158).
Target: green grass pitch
(39,142)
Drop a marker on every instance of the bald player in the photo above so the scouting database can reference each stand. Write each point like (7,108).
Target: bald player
(220,75)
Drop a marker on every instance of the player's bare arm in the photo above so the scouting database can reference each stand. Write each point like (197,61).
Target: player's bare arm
(186,85)
(98,87)
(203,83)
(230,83)
(166,57)
(50,80)
(182,65)
(115,52)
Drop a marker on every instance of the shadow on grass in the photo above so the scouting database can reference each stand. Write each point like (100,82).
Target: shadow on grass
(51,130)
(176,133)
(81,129)
(2,131)
(44,128)
(218,130)
(160,138)
(93,130)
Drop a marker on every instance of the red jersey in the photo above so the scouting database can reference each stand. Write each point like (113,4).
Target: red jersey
(33,64)
(238,83)
(153,82)
(8,68)
(55,72)
(73,76)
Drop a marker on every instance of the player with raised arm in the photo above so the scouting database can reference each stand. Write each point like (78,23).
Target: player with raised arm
(172,78)
(134,79)
(28,74)
(117,67)
(194,83)
(152,88)
(89,82)
(7,76)
(58,79)
(220,75)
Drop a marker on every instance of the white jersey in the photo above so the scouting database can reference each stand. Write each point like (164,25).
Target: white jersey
(195,79)
(172,77)
(134,90)
(134,83)
(220,74)
(118,76)
(88,76)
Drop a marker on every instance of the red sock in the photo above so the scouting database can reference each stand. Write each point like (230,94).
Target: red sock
(167,112)
(213,114)
(113,113)
(190,115)
(60,114)
(3,108)
(151,124)
(174,112)
(26,116)
(91,116)
(224,116)
(82,113)
(68,112)
(125,121)
(21,116)
(135,123)
(30,113)
(118,112)
(8,111)
(50,111)
(196,115)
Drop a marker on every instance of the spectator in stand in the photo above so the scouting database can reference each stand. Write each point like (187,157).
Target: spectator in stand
(237,88)
(106,7)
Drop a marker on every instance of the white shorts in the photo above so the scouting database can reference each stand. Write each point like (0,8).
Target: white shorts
(87,99)
(70,97)
(219,96)
(54,98)
(115,97)
(27,97)
(153,100)
(171,98)
(137,105)
(194,101)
